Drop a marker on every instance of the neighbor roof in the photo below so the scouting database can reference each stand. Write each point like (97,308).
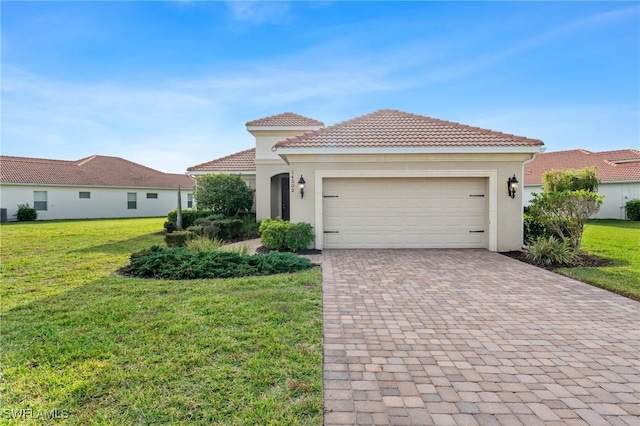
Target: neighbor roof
(394,129)
(97,170)
(620,165)
(241,161)
(286,119)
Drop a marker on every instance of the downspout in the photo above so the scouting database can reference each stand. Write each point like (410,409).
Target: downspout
(532,157)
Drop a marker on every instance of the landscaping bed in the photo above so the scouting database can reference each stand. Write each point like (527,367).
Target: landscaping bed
(609,259)
(584,260)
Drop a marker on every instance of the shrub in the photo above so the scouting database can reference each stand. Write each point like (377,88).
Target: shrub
(549,251)
(180,263)
(189,218)
(26,213)
(228,228)
(633,209)
(277,234)
(272,233)
(571,180)
(298,236)
(533,225)
(170,226)
(225,194)
(250,228)
(565,213)
(178,238)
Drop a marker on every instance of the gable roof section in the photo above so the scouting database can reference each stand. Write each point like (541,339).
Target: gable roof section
(613,166)
(97,170)
(286,119)
(238,162)
(396,129)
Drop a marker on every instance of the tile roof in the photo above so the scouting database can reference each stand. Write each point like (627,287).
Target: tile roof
(97,170)
(241,161)
(286,119)
(393,129)
(621,165)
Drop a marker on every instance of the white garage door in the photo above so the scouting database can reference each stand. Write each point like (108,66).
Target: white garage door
(404,212)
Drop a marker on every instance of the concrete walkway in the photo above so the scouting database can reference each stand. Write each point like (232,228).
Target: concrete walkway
(467,337)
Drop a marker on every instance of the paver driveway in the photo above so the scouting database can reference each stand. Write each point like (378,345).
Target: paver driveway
(463,337)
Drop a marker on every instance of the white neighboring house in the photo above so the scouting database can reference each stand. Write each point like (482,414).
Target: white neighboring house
(93,187)
(618,171)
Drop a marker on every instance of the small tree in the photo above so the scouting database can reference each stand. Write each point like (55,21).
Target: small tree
(568,199)
(565,213)
(225,194)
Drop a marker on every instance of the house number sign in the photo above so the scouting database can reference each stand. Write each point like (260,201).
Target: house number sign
(293,184)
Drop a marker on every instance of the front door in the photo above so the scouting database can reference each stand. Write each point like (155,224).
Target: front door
(285,198)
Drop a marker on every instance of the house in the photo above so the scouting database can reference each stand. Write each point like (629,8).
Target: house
(93,187)
(388,179)
(618,171)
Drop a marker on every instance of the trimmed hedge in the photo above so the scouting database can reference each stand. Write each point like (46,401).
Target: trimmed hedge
(178,263)
(189,218)
(278,234)
(178,238)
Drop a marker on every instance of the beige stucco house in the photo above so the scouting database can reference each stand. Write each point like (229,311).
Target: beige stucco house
(388,179)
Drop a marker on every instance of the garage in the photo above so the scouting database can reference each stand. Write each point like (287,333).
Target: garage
(405,212)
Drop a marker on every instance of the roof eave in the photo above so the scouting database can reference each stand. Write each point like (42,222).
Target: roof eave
(235,172)
(281,128)
(526,149)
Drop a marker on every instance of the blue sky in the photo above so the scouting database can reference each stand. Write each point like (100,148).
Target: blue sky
(172,84)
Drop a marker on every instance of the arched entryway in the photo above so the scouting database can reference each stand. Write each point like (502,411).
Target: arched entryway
(280,196)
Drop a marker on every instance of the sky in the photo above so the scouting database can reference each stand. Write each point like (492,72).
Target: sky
(171,84)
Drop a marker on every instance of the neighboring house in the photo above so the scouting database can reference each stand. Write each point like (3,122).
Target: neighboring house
(92,187)
(388,179)
(618,171)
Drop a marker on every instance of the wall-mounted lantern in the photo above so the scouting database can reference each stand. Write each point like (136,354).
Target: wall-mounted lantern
(512,186)
(301,183)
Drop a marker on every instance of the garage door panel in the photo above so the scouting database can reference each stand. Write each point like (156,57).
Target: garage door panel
(404,212)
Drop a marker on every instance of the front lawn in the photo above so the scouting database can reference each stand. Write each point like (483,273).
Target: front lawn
(86,345)
(618,241)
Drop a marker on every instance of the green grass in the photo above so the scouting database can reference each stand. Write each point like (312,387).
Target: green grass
(618,241)
(105,349)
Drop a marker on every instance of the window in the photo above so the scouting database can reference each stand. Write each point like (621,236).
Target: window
(132,200)
(40,200)
(152,195)
(84,194)
(189,201)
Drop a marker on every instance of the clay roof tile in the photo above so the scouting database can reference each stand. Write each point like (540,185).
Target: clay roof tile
(97,170)
(613,166)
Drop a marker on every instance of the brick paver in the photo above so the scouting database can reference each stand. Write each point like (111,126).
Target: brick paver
(446,337)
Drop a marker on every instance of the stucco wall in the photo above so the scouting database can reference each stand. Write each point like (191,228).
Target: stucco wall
(266,139)
(616,195)
(507,212)
(264,188)
(63,202)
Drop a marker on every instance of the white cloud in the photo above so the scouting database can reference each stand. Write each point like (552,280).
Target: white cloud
(260,12)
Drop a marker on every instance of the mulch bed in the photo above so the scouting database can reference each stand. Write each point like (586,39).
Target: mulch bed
(585,260)
(263,250)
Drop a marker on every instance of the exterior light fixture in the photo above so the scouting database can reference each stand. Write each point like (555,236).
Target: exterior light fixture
(512,185)
(301,182)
